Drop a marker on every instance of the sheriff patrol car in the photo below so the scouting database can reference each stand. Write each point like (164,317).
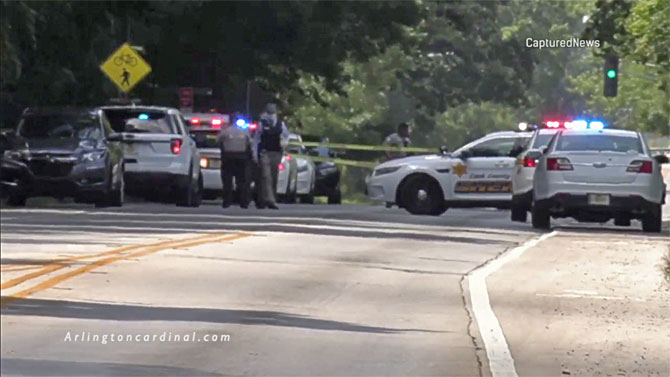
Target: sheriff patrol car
(475,175)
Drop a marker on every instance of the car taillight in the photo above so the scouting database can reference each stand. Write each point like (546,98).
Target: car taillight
(175,146)
(281,166)
(640,166)
(204,162)
(195,121)
(529,162)
(253,126)
(217,123)
(288,157)
(559,163)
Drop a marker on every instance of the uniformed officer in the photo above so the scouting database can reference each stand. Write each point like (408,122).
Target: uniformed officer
(401,138)
(271,139)
(237,152)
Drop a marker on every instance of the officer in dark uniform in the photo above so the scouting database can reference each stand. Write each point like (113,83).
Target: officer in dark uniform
(271,139)
(237,153)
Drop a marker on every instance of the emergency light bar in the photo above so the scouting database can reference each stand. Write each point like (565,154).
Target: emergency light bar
(578,124)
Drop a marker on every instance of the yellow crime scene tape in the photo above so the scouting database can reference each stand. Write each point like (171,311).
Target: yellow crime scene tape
(339,161)
(357,147)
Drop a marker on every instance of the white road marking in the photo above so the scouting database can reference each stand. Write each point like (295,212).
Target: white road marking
(580,292)
(500,358)
(598,297)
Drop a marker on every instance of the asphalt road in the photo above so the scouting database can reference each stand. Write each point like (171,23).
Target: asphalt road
(306,290)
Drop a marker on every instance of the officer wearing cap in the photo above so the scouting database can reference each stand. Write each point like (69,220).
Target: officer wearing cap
(237,152)
(271,139)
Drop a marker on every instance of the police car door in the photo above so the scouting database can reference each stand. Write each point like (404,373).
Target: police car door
(483,171)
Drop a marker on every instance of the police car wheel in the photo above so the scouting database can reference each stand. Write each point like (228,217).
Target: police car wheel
(423,196)
(652,221)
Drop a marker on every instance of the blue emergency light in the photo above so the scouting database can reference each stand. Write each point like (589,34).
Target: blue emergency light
(241,123)
(596,125)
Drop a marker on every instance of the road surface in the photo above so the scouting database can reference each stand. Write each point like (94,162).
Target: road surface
(307,290)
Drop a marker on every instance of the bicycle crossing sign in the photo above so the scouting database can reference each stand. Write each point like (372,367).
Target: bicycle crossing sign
(125,67)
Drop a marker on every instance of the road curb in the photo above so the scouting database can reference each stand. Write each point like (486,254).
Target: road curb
(488,328)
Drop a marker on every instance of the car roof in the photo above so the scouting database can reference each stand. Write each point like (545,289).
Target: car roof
(510,133)
(206,115)
(139,108)
(605,131)
(58,110)
(547,131)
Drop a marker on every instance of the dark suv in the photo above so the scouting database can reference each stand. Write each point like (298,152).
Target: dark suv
(63,153)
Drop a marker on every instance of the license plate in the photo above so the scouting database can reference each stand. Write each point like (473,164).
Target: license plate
(599,199)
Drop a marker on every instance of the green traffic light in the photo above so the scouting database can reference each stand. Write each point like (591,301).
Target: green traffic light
(611,73)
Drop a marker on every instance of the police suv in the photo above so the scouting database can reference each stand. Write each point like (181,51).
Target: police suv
(475,175)
(522,178)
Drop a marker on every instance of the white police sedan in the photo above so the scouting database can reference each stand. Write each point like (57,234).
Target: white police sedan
(597,175)
(475,175)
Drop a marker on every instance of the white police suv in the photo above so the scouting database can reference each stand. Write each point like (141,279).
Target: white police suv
(522,177)
(596,175)
(475,175)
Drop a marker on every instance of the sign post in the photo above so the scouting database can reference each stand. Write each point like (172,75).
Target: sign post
(126,68)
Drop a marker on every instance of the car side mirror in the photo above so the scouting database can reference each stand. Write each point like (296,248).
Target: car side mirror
(544,150)
(534,154)
(661,159)
(444,150)
(115,137)
(465,155)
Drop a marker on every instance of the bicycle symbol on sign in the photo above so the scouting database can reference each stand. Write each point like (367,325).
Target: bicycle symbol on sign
(125,59)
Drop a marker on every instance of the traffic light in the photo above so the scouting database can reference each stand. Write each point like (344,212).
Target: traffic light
(611,75)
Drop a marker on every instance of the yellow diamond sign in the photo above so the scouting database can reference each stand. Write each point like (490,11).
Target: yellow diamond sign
(126,68)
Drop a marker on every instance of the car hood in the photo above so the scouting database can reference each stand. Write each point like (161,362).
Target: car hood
(56,145)
(411,160)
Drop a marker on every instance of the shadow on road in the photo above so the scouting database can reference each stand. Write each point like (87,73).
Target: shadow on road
(41,367)
(114,312)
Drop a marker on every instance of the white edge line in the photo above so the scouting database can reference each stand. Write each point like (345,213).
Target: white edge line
(500,358)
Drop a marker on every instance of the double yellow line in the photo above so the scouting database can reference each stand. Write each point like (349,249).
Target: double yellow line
(105,258)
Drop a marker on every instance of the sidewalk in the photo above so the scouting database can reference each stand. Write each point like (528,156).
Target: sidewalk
(587,305)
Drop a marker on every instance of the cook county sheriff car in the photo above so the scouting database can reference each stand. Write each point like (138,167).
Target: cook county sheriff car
(475,175)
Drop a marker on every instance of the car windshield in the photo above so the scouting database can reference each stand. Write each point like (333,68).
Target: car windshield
(599,143)
(205,139)
(139,121)
(542,140)
(68,126)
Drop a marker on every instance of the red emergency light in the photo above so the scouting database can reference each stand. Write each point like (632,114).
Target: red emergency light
(253,126)
(195,121)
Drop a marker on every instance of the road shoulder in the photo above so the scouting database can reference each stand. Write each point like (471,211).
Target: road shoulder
(600,299)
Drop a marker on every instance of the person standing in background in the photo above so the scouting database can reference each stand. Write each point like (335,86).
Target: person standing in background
(237,152)
(271,139)
(401,138)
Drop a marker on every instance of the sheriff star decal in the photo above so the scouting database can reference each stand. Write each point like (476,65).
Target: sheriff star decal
(460,169)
